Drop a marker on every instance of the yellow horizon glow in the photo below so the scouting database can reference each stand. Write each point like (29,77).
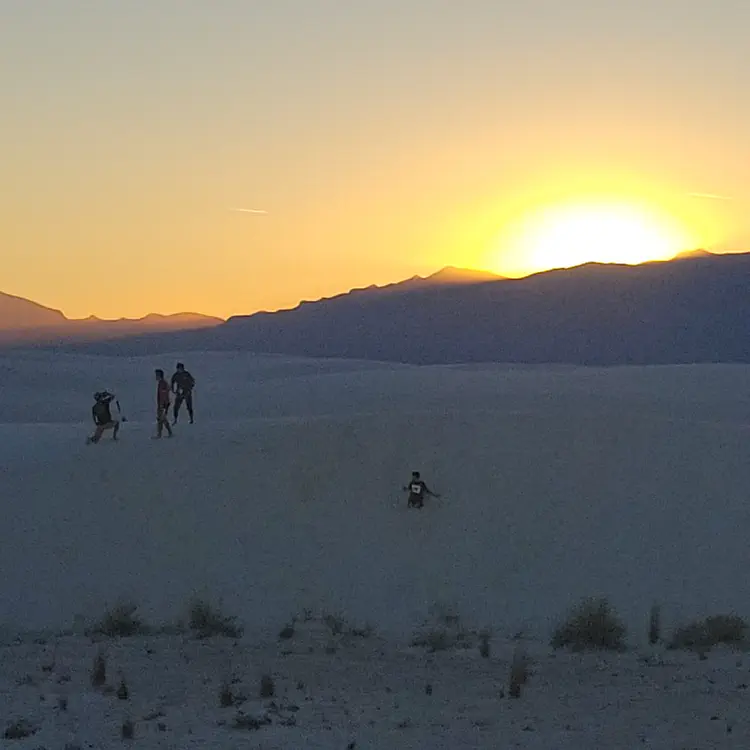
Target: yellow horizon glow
(571,233)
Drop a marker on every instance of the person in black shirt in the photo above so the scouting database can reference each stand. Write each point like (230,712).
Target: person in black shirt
(101,412)
(182,385)
(417,490)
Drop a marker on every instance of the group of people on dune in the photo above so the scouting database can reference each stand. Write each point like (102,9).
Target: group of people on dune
(181,386)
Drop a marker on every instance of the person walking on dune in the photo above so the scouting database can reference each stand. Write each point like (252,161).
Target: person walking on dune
(417,490)
(101,412)
(182,386)
(162,404)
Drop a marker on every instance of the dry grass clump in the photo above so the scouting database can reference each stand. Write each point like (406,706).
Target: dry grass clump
(702,635)
(207,621)
(591,625)
(120,621)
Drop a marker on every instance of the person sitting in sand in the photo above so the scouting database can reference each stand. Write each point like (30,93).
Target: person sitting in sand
(417,490)
(101,412)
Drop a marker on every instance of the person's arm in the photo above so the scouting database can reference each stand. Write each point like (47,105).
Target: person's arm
(93,413)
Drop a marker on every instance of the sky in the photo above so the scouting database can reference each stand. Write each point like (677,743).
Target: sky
(379,139)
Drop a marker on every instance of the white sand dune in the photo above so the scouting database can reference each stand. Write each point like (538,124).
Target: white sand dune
(557,483)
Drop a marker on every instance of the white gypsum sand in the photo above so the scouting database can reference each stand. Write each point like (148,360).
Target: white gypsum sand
(557,483)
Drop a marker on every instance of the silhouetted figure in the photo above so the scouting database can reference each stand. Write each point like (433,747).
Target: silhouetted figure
(101,413)
(417,490)
(162,404)
(182,386)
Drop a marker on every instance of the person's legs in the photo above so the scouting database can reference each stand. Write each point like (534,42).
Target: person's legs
(189,404)
(163,421)
(177,404)
(98,432)
(116,430)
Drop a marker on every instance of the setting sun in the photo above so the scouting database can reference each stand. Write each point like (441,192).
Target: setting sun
(568,235)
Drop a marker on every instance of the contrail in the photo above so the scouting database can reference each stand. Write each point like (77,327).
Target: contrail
(250,210)
(711,196)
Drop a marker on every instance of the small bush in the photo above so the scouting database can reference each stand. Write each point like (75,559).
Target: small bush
(484,644)
(334,623)
(252,723)
(654,625)
(120,622)
(127,731)
(267,686)
(519,672)
(99,671)
(442,630)
(704,634)
(226,697)
(591,625)
(122,691)
(19,730)
(206,621)
(287,631)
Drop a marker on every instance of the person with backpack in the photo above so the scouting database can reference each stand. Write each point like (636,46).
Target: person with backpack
(417,490)
(101,413)
(163,392)
(182,386)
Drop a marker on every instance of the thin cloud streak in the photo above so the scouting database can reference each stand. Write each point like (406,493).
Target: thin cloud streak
(711,196)
(250,210)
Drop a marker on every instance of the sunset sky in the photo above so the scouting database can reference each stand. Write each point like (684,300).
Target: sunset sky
(383,138)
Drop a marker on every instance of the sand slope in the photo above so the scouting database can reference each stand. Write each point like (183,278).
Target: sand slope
(286,493)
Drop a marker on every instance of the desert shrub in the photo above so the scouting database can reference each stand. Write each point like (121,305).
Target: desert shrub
(127,730)
(267,686)
(654,625)
(99,671)
(207,621)
(123,693)
(519,672)
(703,634)
(226,696)
(120,621)
(484,644)
(442,630)
(251,723)
(19,730)
(335,623)
(592,624)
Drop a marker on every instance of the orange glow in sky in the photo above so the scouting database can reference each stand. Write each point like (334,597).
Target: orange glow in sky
(368,144)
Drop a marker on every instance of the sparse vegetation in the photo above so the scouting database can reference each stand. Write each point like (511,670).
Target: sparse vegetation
(591,625)
(484,644)
(19,730)
(267,686)
(127,731)
(122,691)
(120,621)
(99,671)
(243,721)
(442,630)
(702,635)
(654,625)
(519,672)
(226,697)
(207,621)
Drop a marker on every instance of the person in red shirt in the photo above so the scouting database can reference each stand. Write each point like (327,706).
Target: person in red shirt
(163,392)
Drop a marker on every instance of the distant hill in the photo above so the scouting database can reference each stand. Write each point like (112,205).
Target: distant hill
(448,276)
(17,313)
(691,309)
(22,320)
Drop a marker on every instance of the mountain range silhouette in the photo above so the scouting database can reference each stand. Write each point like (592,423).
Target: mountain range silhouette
(695,308)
